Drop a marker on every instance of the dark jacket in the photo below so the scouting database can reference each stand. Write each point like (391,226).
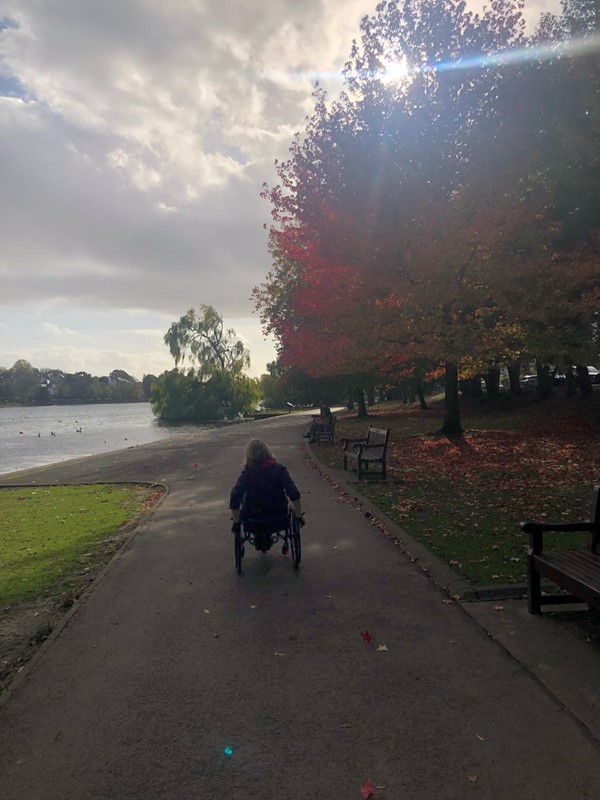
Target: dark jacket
(263,492)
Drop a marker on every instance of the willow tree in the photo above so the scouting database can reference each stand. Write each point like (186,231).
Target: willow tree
(214,385)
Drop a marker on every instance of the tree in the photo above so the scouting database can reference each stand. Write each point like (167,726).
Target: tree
(147,382)
(23,380)
(372,210)
(203,339)
(411,216)
(215,387)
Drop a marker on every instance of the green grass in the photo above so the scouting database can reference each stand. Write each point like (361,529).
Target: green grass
(463,498)
(52,537)
(481,540)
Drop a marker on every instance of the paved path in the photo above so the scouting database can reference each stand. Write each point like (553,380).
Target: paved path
(273,694)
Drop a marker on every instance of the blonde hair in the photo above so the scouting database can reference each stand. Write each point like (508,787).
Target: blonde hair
(256,452)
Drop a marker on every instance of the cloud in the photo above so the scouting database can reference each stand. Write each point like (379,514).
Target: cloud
(52,329)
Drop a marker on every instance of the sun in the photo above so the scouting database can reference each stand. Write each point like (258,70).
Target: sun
(394,70)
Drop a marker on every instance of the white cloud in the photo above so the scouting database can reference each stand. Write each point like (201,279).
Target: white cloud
(52,329)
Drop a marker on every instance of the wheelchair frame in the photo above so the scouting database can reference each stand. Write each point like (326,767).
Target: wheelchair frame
(290,536)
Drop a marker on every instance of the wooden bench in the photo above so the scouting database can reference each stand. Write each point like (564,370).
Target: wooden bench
(370,450)
(576,571)
(327,434)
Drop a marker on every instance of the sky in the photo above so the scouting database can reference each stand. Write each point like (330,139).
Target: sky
(135,136)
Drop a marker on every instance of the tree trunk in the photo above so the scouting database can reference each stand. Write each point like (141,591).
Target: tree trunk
(422,401)
(492,382)
(371,396)
(583,380)
(514,378)
(471,387)
(360,401)
(571,382)
(350,401)
(545,380)
(451,425)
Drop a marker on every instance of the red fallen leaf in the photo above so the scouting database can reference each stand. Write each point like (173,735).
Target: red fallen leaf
(368,789)
(366,636)
(195,465)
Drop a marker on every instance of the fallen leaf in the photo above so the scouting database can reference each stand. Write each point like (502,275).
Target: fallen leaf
(448,602)
(253,606)
(497,608)
(367,789)
(366,636)
(278,654)
(382,648)
(453,563)
(327,597)
(457,596)
(473,778)
(481,739)
(206,611)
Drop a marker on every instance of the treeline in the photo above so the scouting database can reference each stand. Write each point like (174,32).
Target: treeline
(24,384)
(439,220)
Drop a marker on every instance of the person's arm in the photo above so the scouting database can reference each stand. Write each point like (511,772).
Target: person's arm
(291,491)
(235,499)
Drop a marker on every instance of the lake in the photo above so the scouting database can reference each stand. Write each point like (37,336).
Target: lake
(35,436)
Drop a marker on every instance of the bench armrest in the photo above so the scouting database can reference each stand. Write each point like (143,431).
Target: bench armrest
(353,442)
(565,527)
(372,446)
(536,531)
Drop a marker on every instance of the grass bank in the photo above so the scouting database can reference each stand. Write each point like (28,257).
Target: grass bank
(463,498)
(52,538)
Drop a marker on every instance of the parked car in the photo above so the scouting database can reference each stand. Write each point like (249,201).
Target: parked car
(594,374)
(529,381)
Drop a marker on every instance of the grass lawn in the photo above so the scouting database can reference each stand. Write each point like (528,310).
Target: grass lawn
(52,537)
(463,498)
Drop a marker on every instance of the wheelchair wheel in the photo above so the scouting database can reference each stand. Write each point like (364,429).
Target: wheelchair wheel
(294,536)
(238,545)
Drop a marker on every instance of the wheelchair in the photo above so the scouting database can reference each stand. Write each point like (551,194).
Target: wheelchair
(286,529)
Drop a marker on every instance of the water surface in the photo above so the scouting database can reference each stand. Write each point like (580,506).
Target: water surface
(36,436)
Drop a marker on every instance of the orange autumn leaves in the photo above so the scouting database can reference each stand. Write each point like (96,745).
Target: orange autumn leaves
(510,459)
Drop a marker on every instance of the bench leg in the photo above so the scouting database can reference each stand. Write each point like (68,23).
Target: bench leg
(359,470)
(383,472)
(345,462)
(534,588)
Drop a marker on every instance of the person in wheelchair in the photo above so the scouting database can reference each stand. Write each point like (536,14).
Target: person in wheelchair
(259,499)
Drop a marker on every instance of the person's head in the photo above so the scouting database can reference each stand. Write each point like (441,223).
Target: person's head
(256,453)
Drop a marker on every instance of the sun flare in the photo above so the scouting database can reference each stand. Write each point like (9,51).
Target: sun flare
(394,70)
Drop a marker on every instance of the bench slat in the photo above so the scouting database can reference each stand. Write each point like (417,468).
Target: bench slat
(579,563)
(577,571)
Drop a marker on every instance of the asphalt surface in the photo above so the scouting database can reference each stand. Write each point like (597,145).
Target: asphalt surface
(176,679)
